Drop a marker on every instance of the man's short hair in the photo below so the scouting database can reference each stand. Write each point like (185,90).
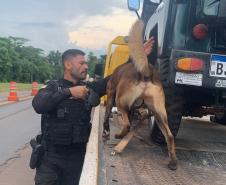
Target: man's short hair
(71,53)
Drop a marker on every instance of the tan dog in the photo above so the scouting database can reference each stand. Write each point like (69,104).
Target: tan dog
(138,79)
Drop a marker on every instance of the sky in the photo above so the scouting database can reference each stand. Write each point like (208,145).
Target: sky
(62,24)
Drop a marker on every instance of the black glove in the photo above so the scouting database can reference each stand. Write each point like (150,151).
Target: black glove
(93,98)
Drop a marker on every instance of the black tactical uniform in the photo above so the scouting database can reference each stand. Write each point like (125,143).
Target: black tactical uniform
(65,127)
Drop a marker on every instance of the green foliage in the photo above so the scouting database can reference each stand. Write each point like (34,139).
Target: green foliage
(103,59)
(22,63)
(4,87)
(91,61)
(99,67)
(54,58)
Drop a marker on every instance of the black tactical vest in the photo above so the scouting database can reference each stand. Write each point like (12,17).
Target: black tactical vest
(68,124)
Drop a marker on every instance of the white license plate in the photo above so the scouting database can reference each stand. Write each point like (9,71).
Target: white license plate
(188,79)
(218,66)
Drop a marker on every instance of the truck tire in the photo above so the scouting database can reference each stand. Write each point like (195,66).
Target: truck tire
(221,120)
(174,106)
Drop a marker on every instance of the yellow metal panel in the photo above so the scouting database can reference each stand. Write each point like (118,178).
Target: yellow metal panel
(119,56)
(120,40)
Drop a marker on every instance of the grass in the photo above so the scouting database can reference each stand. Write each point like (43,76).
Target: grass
(4,87)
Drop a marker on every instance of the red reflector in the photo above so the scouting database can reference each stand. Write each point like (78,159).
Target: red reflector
(200,31)
(196,64)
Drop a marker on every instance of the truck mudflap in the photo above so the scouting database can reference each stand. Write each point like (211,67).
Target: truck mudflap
(212,75)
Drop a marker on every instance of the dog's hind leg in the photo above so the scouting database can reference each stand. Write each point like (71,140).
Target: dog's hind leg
(155,100)
(109,105)
(124,142)
(125,122)
(127,93)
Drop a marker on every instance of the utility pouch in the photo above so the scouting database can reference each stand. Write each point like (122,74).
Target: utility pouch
(81,132)
(62,134)
(36,155)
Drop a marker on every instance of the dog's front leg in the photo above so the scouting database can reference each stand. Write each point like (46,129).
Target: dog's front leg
(109,105)
(126,124)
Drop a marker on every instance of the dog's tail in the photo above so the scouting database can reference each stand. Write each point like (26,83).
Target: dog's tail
(136,49)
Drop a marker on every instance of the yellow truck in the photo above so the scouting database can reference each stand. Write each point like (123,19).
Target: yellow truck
(118,53)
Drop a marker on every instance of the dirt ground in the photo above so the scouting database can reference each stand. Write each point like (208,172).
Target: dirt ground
(16,170)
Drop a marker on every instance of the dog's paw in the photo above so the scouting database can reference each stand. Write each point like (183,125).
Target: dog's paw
(172,165)
(106,135)
(113,153)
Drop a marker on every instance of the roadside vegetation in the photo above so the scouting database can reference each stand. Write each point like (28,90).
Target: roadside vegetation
(23,63)
(4,87)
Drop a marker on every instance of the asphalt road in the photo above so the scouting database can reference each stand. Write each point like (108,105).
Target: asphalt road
(18,124)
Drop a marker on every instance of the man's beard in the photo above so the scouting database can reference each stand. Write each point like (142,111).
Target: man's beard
(79,77)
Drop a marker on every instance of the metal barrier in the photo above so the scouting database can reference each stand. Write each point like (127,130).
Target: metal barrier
(89,174)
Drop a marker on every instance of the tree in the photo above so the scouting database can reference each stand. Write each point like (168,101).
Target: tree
(103,59)
(54,58)
(4,64)
(92,61)
(24,63)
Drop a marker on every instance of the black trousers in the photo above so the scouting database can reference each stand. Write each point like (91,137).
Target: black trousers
(60,169)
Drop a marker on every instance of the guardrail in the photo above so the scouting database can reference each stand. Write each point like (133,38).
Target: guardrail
(89,174)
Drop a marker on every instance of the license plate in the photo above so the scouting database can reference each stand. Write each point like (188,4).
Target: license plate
(218,66)
(188,79)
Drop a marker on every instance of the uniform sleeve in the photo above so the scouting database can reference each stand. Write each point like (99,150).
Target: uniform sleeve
(49,97)
(100,86)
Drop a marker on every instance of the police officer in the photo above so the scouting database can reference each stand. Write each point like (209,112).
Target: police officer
(65,122)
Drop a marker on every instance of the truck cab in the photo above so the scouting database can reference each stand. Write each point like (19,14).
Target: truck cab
(117,54)
(190,55)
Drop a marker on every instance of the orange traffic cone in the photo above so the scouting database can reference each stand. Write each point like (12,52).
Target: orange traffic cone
(13,92)
(34,90)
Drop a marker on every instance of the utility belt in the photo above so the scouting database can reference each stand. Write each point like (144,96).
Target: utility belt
(66,150)
(40,146)
(61,136)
